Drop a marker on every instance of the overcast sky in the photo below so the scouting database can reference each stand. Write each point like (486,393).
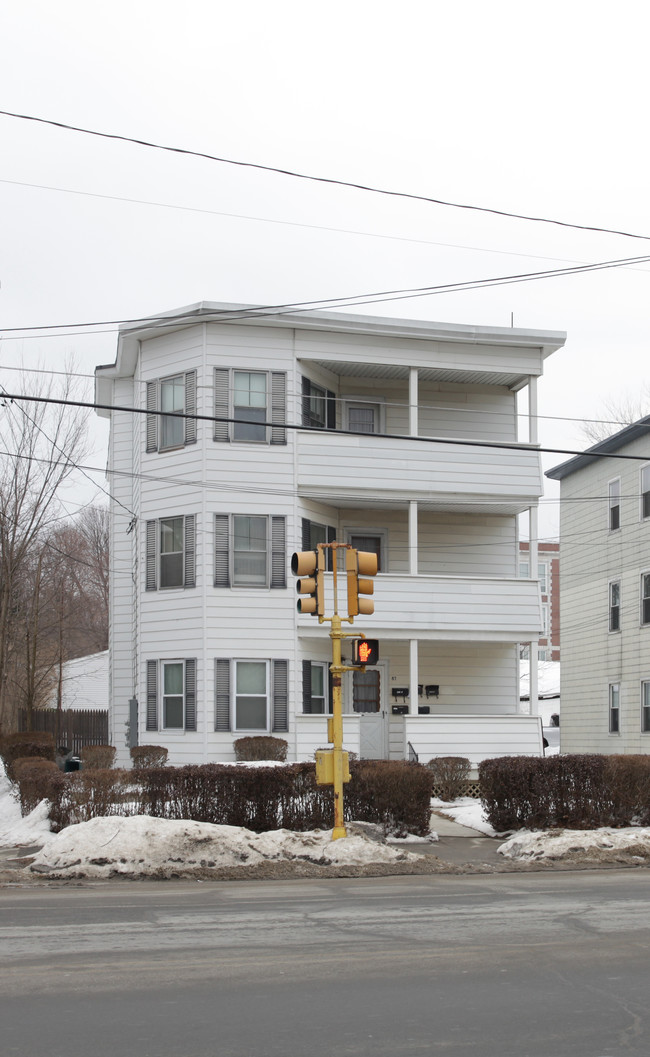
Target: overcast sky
(538,109)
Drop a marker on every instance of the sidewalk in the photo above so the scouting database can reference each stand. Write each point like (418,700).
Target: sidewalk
(458,844)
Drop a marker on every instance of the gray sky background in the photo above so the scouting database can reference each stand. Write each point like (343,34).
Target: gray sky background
(530,108)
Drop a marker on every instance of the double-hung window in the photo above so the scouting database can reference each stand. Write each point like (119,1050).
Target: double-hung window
(615,605)
(645,706)
(249,551)
(170,552)
(645,491)
(251,695)
(316,697)
(175,396)
(614,708)
(318,406)
(615,504)
(250,406)
(171,694)
(645,598)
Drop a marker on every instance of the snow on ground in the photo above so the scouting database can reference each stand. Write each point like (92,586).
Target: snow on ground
(144,846)
(466,811)
(15,830)
(586,844)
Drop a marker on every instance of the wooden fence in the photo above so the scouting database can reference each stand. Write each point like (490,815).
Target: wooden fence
(71,727)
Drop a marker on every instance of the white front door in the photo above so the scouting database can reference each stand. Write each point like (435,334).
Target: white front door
(373,719)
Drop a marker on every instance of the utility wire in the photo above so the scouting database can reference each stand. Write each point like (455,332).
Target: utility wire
(299,427)
(256,311)
(332,181)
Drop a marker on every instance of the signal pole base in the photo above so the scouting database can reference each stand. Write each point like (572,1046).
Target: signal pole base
(338,832)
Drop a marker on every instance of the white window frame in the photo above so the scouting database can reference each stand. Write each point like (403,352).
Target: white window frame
(261,584)
(377,402)
(161,554)
(545,621)
(382,535)
(263,428)
(324,668)
(613,607)
(170,419)
(644,488)
(235,695)
(614,709)
(163,696)
(645,706)
(614,503)
(644,598)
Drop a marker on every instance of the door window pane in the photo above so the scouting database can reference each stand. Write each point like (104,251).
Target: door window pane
(363,418)
(172,399)
(365,691)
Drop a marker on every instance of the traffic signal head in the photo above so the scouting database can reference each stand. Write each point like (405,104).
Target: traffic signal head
(360,565)
(310,565)
(365,651)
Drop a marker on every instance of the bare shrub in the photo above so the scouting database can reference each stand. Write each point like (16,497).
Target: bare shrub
(450,774)
(37,780)
(29,743)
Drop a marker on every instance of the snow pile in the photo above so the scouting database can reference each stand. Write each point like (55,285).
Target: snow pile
(14,829)
(466,811)
(144,846)
(584,845)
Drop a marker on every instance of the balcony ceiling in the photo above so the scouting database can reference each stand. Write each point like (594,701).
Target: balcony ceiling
(389,371)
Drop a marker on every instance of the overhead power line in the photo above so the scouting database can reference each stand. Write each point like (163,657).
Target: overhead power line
(297,307)
(300,428)
(332,181)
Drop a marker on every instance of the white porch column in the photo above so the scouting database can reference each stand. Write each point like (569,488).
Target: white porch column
(413,676)
(413,537)
(533,522)
(413,402)
(533,430)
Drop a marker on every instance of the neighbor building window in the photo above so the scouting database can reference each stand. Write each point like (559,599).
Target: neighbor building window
(645,491)
(614,708)
(615,605)
(170,552)
(645,706)
(645,598)
(176,396)
(249,551)
(614,504)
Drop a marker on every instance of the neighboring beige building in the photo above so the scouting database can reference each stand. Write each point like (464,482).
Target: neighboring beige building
(605,594)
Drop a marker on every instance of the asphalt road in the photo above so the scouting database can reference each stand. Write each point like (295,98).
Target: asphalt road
(528,965)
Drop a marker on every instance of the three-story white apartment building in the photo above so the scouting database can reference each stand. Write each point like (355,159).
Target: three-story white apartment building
(238,438)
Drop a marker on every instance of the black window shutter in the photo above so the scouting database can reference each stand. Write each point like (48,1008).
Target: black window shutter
(190,407)
(306,686)
(280,695)
(306,534)
(152,420)
(151,579)
(152,695)
(306,389)
(189,575)
(331,410)
(278,407)
(330,691)
(222,694)
(331,538)
(221,404)
(190,694)
(278,552)
(221,551)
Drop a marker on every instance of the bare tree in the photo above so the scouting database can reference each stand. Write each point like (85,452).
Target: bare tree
(40,444)
(616,414)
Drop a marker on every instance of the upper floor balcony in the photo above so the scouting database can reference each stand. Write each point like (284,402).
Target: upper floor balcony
(460,608)
(375,470)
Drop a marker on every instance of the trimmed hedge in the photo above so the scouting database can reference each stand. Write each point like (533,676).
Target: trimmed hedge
(394,794)
(572,791)
(262,747)
(37,780)
(149,756)
(98,757)
(24,744)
